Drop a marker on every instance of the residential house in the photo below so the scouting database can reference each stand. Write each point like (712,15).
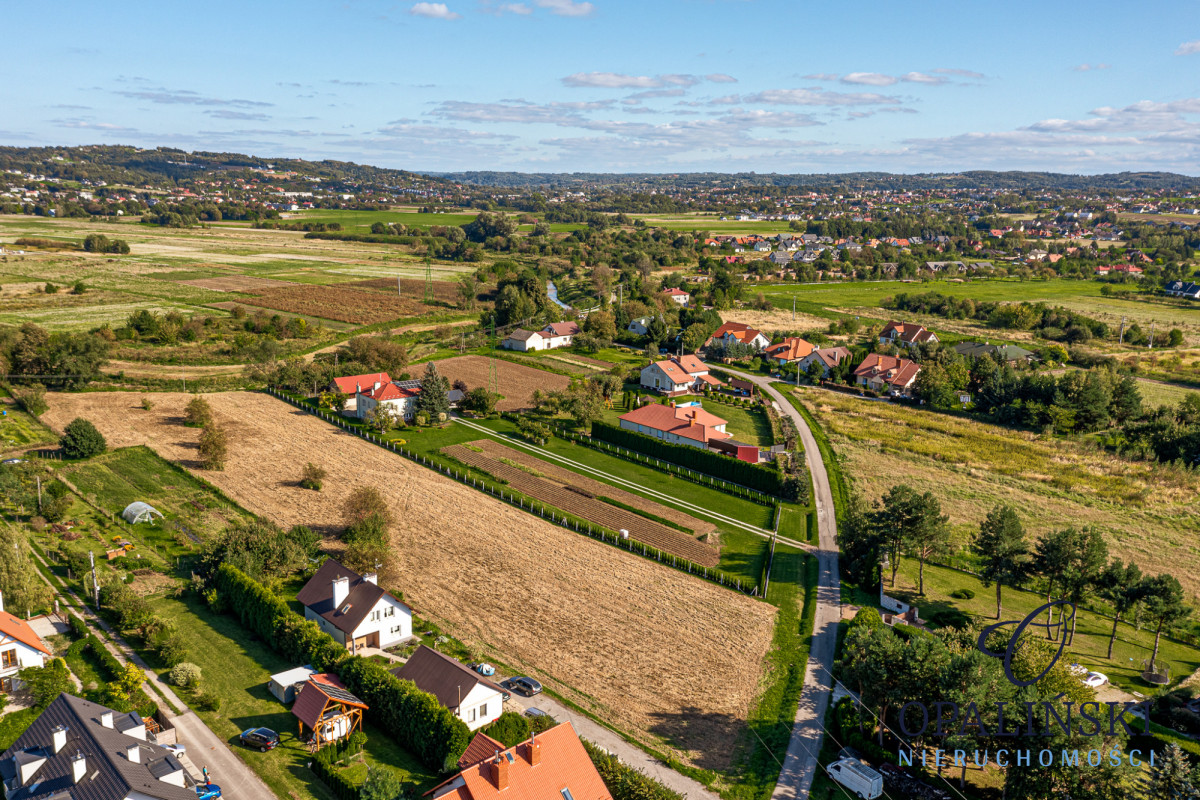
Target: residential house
(827,357)
(905,334)
(523,341)
(556,334)
(640,326)
(678,375)
(889,268)
(471,697)
(327,710)
(678,295)
(1008,353)
(559,334)
(684,424)
(731,332)
(887,374)
(792,348)
(354,609)
(20,647)
(350,385)
(400,397)
(80,750)
(1121,269)
(548,766)
(1183,289)
(780,258)
(762,247)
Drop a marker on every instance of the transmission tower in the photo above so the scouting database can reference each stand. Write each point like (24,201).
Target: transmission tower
(428,281)
(493,378)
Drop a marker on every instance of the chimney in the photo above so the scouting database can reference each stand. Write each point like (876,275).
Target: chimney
(535,751)
(78,767)
(500,771)
(134,754)
(341,590)
(377,385)
(106,719)
(59,738)
(371,577)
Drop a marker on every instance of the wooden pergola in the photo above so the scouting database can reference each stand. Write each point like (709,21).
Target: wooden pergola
(325,707)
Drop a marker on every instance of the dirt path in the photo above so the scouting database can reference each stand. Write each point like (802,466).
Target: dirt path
(800,764)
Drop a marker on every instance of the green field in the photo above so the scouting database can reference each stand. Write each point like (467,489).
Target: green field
(20,430)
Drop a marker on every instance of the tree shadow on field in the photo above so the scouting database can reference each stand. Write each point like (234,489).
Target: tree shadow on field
(175,420)
(709,737)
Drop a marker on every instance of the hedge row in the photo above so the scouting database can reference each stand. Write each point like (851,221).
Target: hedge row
(413,718)
(625,782)
(753,476)
(79,628)
(369,238)
(339,785)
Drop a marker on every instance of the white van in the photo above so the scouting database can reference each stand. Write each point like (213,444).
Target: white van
(856,776)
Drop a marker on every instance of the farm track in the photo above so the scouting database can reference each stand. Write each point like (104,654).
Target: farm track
(563,475)
(618,635)
(556,494)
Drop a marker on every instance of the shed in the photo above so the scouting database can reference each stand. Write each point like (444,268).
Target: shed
(327,709)
(138,511)
(284,684)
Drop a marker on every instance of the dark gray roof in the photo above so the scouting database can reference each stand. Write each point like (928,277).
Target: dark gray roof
(441,676)
(110,775)
(317,594)
(1008,352)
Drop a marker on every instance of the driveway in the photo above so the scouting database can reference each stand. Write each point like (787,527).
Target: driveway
(629,754)
(800,763)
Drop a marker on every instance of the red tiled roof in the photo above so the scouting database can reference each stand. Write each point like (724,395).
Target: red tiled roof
(690,422)
(563,769)
(348,384)
(691,365)
(908,332)
(482,747)
(896,372)
(19,630)
(676,293)
(563,328)
(390,391)
(790,349)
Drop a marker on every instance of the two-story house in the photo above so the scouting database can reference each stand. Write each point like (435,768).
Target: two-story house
(20,647)
(906,334)
(354,609)
(678,296)
(401,398)
(471,697)
(732,332)
(678,375)
(887,374)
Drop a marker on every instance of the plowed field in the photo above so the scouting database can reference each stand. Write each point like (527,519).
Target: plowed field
(515,382)
(331,302)
(670,659)
(609,516)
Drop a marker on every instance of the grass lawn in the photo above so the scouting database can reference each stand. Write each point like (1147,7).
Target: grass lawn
(793,522)
(20,430)
(13,724)
(1156,394)
(353,221)
(236,667)
(746,424)
(1092,631)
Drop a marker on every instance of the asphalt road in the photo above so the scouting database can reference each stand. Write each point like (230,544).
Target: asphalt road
(800,763)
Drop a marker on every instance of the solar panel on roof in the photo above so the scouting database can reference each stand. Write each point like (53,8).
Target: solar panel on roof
(337,693)
(408,384)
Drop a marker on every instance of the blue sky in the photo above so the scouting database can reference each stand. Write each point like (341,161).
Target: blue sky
(618,85)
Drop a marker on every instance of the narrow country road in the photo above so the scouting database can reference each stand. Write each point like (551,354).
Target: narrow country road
(800,763)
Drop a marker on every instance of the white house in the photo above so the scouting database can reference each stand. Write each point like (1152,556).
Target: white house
(524,341)
(678,295)
(400,398)
(640,326)
(20,647)
(472,698)
(741,333)
(353,609)
(679,374)
(556,334)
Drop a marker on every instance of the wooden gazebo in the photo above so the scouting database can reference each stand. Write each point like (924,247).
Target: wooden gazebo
(325,707)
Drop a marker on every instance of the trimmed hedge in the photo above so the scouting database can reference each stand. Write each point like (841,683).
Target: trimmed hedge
(413,718)
(752,476)
(625,782)
(78,627)
(339,785)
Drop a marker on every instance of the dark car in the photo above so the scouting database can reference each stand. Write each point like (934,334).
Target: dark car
(526,686)
(207,791)
(263,738)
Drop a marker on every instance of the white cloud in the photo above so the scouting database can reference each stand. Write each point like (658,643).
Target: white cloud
(566,8)
(718,77)
(516,8)
(1188,48)
(433,11)
(517,111)
(922,77)
(611,80)
(869,79)
(821,76)
(816,97)
(959,73)
(1090,67)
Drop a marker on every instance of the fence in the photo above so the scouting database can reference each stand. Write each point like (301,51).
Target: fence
(555,516)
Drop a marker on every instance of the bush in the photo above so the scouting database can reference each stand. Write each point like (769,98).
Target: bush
(509,729)
(625,782)
(173,650)
(185,675)
(312,477)
(79,288)
(963,594)
(50,288)
(82,440)
(78,627)
(198,413)
(31,398)
(207,701)
(364,503)
(147,403)
(214,447)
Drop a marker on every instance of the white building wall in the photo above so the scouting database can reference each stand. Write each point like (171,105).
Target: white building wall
(480,707)
(393,627)
(325,625)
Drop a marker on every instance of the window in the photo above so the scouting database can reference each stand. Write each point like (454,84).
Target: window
(391,611)
(8,659)
(470,715)
(375,616)
(483,711)
(566,793)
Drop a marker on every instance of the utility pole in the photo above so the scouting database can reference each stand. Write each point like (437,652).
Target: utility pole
(1150,344)
(1121,340)
(39,485)
(398,292)
(95,586)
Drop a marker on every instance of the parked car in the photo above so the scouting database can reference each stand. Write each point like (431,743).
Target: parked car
(263,738)
(207,791)
(1095,679)
(486,670)
(522,685)
(861,780)
(175,749)
(13,461)
(1077,669)
(534,713)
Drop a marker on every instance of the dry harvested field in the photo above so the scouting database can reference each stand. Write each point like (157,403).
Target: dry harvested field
(640,645)
(343,305)
(566,476)
(238,283)
(516,382)
(443,291)
(565,496)
(774,320)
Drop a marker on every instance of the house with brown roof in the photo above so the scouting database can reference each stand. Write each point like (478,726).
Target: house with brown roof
(906,334)
(792,348)
(471,697)
(678,375)
(549,766)
(354,609)
(827,357)
(20,647)
(887,374)
(327,711)
(684,424)
(556,334)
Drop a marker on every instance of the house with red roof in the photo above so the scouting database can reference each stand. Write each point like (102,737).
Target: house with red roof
(678,295)
(732,332)
(906,334)
(20,647)
(828,357)
(792,348)
(887,374)
(401,399)
(685,424)
(678,375)
(549,766)
(350,385)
